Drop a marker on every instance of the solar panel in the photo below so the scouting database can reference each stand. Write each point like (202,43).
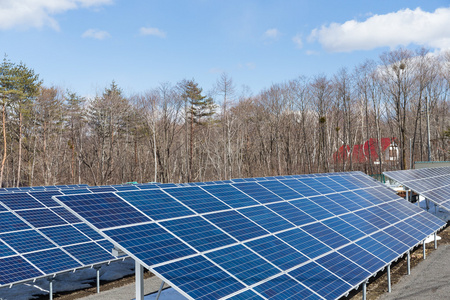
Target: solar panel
(432,183)
(340,230)
(39,237)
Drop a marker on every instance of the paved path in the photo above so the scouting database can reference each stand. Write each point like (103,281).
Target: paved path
(430,279)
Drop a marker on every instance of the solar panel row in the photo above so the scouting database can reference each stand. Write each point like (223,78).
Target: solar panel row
(302,237)
(39,237)
(431,183)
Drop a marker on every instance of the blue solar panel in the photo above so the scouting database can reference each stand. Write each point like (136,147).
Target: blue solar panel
(104,210)
(247,295)
(257,192)
(46,197)
(9,222)
(242,263)
(362,257)
(277,252)
(155,244)
(198,233)
(88,253)
(284,287)
(19,201)
(236,225)
(230,195)
(301,188)
(197,199)
(291,213)
(266,237)
(66,215)
(200,278)
(52,261)
(156,204)
(65,235)
(41,217)
(266,218)
(5,250)
(26,241)
(281,190)
(13,269)
(320,280)
(303,242)
(311,208)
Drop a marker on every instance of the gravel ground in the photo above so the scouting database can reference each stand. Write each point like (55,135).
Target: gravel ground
(428,280)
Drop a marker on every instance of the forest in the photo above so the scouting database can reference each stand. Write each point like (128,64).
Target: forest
(177,132)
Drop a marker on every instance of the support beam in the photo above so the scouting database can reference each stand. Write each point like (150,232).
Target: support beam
(50,289)
(389,278)
(364,290)
(139,273)
(435,240)
(407,194)
(409,263)
(160,290)
(424,252)
(97,270)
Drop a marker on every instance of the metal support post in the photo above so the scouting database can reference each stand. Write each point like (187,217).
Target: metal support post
(409,263)
(139,273)
(50,289)
(435,240)
(364,290)
(160,290)
(407,194)
(389,278)
(424,253)
(97,270)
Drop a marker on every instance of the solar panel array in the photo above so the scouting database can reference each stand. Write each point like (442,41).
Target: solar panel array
(62,241)
(302,238)
(39,237)
(432,183)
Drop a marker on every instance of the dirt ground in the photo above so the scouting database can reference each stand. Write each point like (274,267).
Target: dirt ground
(376,287)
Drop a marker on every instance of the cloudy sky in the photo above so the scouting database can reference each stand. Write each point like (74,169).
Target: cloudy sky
(83,45)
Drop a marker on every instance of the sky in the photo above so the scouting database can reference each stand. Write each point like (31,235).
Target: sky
(83,45)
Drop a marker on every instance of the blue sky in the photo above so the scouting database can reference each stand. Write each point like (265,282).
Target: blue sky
(83,45)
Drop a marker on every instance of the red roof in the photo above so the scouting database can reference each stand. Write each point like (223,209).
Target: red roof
(360,153)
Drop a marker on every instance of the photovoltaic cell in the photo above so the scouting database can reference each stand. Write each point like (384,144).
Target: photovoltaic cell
(199,233)
(89,252)
(236,225)
(26,241)
(150,243)
(301,188)
(5,250)
(65,235)
(9,222)
(243,264)
(320,280)
(104,210)
(230,195)
(156,204)
(284,287)
(266,218)
(281,190)
(197,199)
(304,243)
(257,192)
(291,213)
(19,201)
(277,252)
(13,269)
(41,217)
(206,280)
(52,261)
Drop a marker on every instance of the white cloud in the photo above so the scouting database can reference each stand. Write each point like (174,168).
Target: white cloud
(96,34)
(272,34)
(152,31)
(401,28)
(298,41)
(39,13)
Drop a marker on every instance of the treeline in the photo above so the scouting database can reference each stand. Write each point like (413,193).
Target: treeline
(179,133)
